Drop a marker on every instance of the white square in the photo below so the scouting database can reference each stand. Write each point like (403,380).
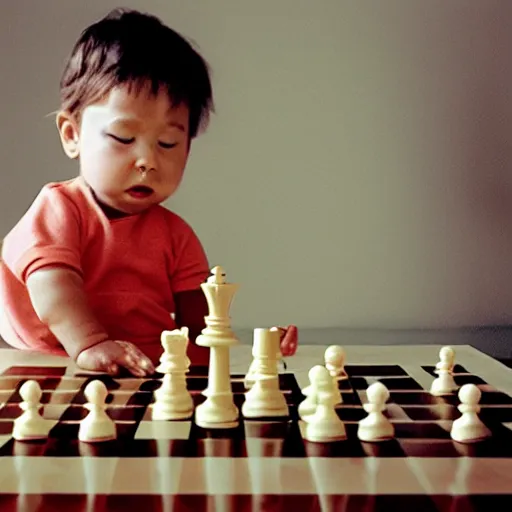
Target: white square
(163,430)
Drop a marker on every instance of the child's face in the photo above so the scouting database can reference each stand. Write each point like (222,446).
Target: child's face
(130,140)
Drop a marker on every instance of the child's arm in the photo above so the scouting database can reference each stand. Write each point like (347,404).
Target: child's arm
(59,300)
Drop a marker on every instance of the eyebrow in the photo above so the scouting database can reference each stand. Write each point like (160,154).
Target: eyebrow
(134,121)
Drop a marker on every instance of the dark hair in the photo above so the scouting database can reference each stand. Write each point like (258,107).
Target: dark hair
(130,48)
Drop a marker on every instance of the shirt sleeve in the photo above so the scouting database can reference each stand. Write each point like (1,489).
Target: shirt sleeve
(47,235)
(190,265)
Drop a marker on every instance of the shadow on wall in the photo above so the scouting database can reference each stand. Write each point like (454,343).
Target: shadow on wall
(488,180)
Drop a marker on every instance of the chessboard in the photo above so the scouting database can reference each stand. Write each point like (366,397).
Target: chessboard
(262,464)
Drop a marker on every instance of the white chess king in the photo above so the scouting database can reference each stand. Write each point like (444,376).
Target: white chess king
(219,409)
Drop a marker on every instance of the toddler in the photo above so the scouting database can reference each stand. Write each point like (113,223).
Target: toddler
(96,268)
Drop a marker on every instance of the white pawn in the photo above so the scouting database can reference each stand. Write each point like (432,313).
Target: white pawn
(444,384)
(308,406)
(334,359)
(324,425)
(97,426)
(31,425)
(376,427)
(446,359)
(469,428)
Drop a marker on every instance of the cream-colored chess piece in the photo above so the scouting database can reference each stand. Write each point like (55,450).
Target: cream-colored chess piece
(324,425)
(30,425)
(265,398)
(172,399)
(469,428)
(318,383)
(375,427)
(219,410)
(97,426)
(444,383)
(334,358)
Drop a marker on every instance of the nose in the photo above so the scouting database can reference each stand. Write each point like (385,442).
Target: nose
(146,159)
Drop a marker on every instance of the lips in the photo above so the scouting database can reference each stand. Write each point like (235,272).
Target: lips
(140,191)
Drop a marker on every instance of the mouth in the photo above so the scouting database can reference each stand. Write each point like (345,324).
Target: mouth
(140,191)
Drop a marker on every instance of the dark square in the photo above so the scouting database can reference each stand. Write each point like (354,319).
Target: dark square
(391,503)
(417,430)
(197,384)
(35,371)
(375,370)
(349,447)
(413,398)
(10,411)
(468,379)
(6,427)
(158,448)
(139,398)
(432,412)
(391,383)
(345,385)
(351,413)
(266,429)
(149,385)
(496,414)
(123,413)
(429,448)
(488,502)
(456,369)
(350,398)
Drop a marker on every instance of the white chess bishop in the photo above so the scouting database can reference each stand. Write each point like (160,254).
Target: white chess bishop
(172,399)
(469,428)
(375,427)
(265,398)
(218,410)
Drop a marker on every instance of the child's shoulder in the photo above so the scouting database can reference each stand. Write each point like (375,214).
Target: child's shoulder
(67,191)
(173,220)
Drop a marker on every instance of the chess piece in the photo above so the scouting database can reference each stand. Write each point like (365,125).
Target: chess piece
(444,384)
(172,399)
(30,425)
(334,358)
(469,428)
(317,383)
(97,426)
(219,409)
(324,425)
(375,427)
(446,359)
(265,399)
(251,373)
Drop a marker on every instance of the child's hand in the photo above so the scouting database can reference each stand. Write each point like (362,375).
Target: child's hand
(109,356)
(289,340)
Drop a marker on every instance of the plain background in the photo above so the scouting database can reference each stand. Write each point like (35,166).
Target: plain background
(356,173)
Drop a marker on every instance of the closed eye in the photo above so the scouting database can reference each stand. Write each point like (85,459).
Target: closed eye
(121,139)
(168,145)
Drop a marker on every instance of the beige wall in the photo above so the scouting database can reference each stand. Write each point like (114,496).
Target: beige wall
(357,173)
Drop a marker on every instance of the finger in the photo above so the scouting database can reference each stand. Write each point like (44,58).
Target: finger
(139,358)
(113,369)
(130,363)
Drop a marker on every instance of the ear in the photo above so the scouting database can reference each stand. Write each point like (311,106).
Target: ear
(69,134)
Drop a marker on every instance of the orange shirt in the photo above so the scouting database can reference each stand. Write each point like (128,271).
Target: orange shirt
(131,266)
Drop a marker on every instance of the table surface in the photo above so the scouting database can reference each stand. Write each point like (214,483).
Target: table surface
(484,476)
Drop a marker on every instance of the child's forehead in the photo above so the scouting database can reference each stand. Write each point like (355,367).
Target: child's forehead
(121,105)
